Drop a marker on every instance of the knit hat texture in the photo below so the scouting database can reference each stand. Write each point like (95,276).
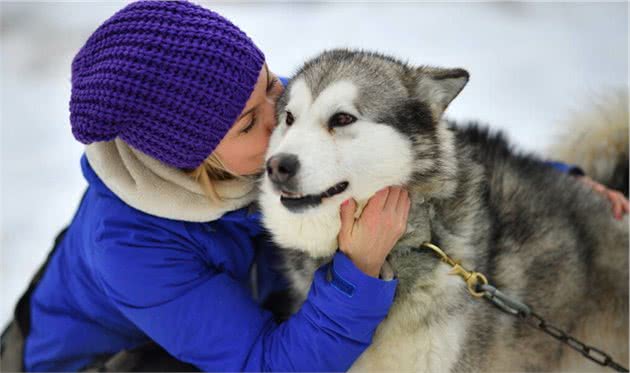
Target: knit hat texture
(169,78)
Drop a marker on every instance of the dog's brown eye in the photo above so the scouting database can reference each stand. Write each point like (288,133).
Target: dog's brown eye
(290,118)
(341,119)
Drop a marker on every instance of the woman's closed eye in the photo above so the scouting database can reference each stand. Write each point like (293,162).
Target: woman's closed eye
(250,125)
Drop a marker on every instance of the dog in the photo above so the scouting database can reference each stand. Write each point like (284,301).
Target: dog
(353,122)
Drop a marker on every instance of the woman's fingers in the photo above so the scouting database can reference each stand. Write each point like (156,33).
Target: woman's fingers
(377,201)
(392,198)
(403,200)
(403,211)
(347,211)
(397,207)
(619,202)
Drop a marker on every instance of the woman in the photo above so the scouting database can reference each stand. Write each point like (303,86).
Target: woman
(176,106)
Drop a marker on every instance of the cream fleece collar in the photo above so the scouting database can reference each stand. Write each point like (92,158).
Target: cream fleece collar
(151,186)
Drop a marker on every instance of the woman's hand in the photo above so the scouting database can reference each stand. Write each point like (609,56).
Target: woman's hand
(620,205)
(368,240)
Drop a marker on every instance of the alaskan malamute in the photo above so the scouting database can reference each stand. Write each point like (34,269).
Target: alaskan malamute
(351,123)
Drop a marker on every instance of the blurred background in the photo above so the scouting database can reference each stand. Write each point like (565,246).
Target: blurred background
(531,65)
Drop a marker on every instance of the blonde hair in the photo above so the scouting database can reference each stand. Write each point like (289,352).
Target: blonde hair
(211,171)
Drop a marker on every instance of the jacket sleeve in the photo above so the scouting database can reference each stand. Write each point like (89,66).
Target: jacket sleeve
(284,80)
(203,315)
(566,168)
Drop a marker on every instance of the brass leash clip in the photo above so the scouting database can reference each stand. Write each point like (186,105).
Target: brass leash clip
(473,279)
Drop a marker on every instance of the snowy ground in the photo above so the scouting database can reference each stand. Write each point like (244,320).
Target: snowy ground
(531,64)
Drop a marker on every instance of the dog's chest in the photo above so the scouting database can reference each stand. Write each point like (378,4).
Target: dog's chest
(425,328)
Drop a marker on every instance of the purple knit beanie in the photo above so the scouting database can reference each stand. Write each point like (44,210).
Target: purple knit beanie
(168,78)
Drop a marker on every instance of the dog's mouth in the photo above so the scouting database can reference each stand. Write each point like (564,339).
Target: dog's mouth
(296,202)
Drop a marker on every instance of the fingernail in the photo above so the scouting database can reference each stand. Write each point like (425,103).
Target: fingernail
(345,202)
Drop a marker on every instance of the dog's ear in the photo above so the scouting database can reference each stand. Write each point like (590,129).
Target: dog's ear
(438,87)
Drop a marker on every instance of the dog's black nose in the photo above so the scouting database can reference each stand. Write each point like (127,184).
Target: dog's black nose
(282,167)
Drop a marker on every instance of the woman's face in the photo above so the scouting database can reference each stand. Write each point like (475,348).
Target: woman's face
(243,148)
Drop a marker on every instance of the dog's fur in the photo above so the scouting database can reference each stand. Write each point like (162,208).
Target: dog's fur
(597,140)
(539,235)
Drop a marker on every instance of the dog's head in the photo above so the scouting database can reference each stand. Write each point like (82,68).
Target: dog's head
(349,124)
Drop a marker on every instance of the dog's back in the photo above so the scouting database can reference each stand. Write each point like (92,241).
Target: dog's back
(557,247)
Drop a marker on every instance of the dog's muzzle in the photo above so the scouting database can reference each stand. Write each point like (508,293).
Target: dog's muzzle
(281,170)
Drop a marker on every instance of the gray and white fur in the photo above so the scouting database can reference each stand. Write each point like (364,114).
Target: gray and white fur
(537,234)
(597,140)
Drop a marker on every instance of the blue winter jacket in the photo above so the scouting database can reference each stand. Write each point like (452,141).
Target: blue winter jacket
(121,277)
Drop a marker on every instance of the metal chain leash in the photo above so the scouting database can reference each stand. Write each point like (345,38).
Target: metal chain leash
(524,312)
(478,287)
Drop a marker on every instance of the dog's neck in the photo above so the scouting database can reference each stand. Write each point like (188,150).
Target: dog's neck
(445,217)
(427,191)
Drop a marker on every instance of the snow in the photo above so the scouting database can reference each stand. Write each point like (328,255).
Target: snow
(531,65)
